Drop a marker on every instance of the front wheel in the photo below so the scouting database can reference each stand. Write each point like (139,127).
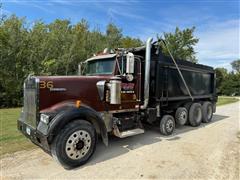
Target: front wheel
(167,125)
(75,144)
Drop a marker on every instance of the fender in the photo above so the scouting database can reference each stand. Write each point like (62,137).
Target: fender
(71,113)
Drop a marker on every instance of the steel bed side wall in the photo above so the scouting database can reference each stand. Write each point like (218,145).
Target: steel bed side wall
(166,85)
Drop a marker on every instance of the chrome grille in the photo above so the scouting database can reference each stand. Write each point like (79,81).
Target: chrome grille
(30,101)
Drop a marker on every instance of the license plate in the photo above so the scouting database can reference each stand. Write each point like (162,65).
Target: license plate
(28,130)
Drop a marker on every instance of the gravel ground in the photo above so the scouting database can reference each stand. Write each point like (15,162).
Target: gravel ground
(210,151)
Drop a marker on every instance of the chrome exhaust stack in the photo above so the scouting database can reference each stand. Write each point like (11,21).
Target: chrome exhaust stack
(147,72)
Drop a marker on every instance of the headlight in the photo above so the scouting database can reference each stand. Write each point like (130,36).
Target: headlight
(44,118)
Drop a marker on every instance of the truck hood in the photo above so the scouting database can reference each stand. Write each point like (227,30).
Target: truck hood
(58,89)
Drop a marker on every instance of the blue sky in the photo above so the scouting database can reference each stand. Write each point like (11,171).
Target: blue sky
(216,21)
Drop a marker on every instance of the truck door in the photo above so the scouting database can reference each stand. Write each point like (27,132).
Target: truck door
(131,84)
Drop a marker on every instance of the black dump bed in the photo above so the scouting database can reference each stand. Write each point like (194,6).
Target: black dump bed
(166,82)
(200,79)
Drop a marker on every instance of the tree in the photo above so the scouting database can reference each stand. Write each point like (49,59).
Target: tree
(14,63)
(128,42)
(38,43)
(113,35)
(221,75)
(236,65)
(231,86)
(181,44)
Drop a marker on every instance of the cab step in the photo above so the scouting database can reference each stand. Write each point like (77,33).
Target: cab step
(127,133)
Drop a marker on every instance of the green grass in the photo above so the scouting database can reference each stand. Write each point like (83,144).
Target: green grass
(222,100)
(11,140)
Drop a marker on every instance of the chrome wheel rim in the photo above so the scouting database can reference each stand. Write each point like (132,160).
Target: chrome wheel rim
(183,115)
(169,125)
(78,144)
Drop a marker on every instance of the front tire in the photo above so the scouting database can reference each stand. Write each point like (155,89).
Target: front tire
(75,144)
(167,125)
(195,114)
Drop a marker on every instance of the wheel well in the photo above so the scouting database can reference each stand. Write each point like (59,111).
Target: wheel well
(92,121)
(79,118)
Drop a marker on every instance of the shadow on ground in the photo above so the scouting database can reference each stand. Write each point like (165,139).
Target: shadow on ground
(152,135)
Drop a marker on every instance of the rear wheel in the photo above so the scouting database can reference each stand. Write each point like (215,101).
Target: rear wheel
(75,144)
(187,106)
(195,114)
(207,110)
(167,125)
(181,115)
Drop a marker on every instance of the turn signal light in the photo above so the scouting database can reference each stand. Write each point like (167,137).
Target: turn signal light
(78,103)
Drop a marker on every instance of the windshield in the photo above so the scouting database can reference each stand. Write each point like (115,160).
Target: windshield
(101,66)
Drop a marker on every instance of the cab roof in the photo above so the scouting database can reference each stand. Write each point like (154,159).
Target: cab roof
(104,56)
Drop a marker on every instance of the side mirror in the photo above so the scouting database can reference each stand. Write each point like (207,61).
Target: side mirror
(130,63)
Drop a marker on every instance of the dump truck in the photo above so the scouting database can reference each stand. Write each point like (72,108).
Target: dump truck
(116,93)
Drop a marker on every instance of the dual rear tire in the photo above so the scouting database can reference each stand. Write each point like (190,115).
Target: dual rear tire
(192,113)
(207,110)
(195,114)
(200,113)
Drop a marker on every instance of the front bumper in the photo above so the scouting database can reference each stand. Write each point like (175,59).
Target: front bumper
(34,135)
